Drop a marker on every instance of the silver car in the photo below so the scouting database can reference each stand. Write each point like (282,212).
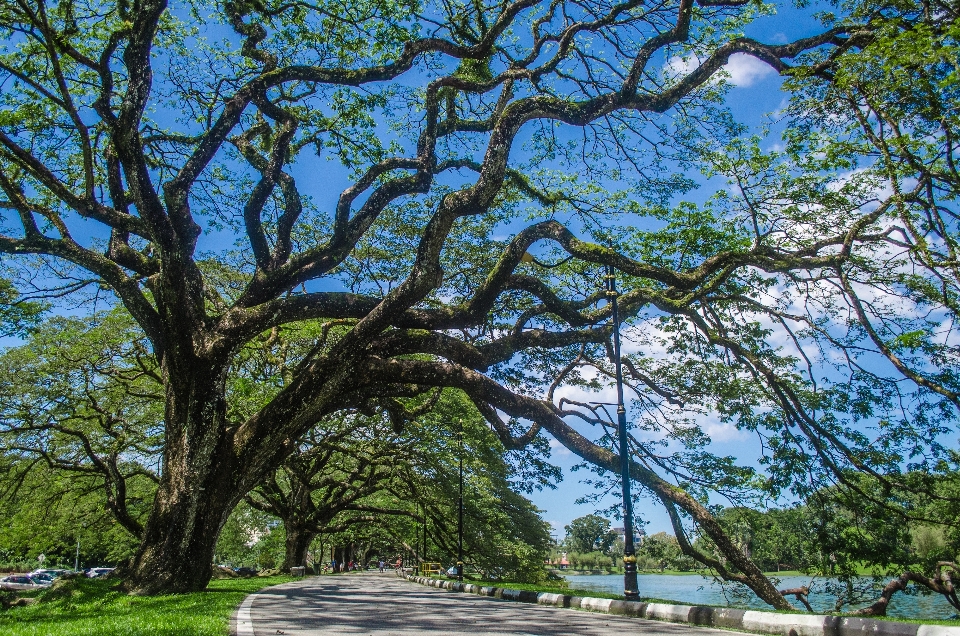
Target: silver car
(41,577)
(53,574)
(23,582)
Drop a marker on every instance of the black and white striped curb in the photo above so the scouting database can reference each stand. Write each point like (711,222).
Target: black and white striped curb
(747,620)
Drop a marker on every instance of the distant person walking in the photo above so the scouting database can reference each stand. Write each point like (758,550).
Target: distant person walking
(382,564)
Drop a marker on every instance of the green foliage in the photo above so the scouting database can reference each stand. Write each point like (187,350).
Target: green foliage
(50,512)
(846,532)
(775,306)
(378,514)
(589,533)
(79,439)
(504,536)
(885,113)
(17,316)
(590,560)
(661,550)
(250,538)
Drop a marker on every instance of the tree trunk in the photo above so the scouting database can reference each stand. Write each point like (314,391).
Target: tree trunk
(297,543)
(340,554)
(198,488)
(364,551)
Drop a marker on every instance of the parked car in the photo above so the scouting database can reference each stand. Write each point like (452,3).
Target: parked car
(245,571)
(54,573)
(96,573)
(41,576)
(23,582)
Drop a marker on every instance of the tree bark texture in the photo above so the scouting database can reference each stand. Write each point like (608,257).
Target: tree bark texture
(198,487)
(296,544)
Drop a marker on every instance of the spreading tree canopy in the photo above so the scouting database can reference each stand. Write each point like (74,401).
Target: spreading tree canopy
(401,173)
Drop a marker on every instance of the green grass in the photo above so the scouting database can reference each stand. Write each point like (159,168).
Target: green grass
(96,608)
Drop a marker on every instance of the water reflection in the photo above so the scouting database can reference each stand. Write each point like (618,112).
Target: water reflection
(696,590)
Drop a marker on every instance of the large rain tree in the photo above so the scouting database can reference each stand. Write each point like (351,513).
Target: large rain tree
(155,150)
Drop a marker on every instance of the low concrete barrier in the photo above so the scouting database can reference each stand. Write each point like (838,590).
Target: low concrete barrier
(726,617)
(596,604)
(746,620)
(937,630)
(670,613)
(788,624)
(628,608)
(548,598)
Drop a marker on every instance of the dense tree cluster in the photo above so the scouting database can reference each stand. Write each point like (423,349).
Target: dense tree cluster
(588,534)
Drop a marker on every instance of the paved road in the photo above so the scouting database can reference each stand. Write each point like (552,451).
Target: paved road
(383,605)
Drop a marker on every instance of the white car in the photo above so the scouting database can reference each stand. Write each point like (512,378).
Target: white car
(96,573)
(23,582)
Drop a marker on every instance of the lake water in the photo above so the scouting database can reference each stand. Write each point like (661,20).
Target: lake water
(696,590)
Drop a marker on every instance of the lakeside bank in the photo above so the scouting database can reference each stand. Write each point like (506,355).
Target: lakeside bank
(774,623)
(699,590)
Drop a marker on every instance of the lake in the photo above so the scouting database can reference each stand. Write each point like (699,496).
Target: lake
(696,590)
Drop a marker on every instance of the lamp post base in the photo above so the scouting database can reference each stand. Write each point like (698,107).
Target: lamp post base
(630,591)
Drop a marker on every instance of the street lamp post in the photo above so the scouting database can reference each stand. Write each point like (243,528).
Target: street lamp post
(460,511)
(629,554)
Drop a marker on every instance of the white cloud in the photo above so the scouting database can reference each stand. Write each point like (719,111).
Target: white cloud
(743,70)
(723,431)
(781,108)
(607,394)
(746,70)
(678,66)
(558,450)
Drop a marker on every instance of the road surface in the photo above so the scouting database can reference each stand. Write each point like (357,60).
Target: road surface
(377,604)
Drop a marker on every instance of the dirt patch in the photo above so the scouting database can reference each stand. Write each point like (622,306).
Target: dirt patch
(220,572)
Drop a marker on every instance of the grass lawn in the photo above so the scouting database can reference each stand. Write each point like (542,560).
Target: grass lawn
(95,608)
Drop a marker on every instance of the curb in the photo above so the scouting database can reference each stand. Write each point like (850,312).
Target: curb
(729,618)
(241,623)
